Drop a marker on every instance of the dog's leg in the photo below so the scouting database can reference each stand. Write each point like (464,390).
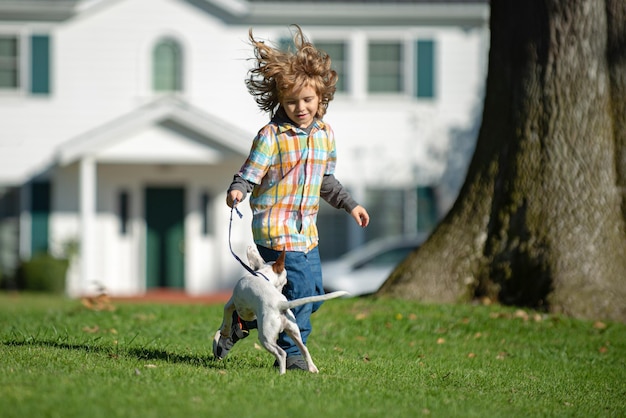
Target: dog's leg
(279,353)
(291,328)
(227,322)
(268,334)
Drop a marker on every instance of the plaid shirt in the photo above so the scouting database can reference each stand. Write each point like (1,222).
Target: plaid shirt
(287,166)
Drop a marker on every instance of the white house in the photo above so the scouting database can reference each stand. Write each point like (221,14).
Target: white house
(123,122)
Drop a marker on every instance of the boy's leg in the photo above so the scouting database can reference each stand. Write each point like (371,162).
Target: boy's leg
(239,330)
(304,278)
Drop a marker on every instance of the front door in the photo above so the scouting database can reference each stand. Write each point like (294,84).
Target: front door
(165,240)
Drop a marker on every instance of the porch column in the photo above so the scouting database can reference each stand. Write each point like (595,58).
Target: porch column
(87,222)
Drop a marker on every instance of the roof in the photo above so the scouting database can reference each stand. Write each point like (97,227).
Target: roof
(371,1)
(198,132)
(283,12)
(37,10)
(349,12)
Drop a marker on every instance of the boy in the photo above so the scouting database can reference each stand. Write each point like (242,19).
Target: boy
(290,166)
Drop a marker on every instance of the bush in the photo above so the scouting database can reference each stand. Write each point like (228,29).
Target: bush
(43,273)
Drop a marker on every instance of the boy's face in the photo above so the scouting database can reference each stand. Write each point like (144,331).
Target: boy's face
(301,107)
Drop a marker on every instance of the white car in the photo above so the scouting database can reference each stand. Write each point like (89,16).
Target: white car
(363,270)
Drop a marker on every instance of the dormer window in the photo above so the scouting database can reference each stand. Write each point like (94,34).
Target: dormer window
(167,66)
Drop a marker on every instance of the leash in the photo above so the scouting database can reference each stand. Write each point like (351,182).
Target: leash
(230,245)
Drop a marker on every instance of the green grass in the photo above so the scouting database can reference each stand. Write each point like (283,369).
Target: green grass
(377,358)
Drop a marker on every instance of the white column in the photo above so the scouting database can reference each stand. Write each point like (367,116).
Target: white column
(357,53)
(87,222)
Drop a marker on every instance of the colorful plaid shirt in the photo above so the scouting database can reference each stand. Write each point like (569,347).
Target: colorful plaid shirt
(287,166)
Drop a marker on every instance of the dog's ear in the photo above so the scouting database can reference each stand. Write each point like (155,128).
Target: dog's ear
(254,258)
(279,265)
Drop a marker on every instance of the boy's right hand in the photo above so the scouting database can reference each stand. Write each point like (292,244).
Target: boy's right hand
(232,197)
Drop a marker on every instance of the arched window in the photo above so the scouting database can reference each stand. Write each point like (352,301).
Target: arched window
(167,66)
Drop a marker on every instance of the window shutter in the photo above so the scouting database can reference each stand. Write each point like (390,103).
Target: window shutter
(425,55)
(40,64)
(427,209)
(40,214)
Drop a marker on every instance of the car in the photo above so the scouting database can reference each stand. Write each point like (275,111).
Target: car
(363,270)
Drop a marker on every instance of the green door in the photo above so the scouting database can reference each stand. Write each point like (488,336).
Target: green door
(165,240)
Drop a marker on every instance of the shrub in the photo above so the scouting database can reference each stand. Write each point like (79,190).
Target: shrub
(43,273)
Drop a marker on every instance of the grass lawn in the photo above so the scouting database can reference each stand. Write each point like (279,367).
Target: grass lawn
(377,358)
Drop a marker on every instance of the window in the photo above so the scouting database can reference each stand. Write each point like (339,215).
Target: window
(13,75)
(385,67)
(337,53)
(167,66)
(9,62)
(425,69)
(386,205)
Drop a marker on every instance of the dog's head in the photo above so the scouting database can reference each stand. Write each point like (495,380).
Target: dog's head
(274,271)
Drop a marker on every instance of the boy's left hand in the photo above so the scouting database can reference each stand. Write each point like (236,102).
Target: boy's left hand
(361,216)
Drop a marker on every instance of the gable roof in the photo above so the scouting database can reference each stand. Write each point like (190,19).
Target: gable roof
(206,137)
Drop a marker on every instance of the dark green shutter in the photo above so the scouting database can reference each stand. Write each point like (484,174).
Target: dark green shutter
(427,211)
(425,54)
(40,214)
(40,64)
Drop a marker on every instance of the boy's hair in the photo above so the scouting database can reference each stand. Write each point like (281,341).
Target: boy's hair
(278,72)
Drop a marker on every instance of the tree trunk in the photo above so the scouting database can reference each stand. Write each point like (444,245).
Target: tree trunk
(539,219)
(616,55)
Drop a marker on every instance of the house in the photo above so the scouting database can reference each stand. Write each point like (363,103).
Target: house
(123,122)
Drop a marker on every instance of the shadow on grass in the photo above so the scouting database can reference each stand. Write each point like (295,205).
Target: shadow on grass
(141,353)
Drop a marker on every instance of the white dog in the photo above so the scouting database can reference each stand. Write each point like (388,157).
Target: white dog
(260,297)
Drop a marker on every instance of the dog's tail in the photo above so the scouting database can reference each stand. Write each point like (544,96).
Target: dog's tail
(311,299)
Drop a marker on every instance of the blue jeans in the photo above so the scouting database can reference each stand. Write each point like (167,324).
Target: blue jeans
(304,278)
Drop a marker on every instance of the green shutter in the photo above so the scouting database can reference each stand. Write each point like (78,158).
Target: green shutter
(427,212)
(425,54)
(40,64)
(286,45)
(40,214)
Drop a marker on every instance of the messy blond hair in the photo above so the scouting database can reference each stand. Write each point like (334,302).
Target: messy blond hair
(277,73)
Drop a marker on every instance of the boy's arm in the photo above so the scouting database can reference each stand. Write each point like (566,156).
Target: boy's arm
(238,189)
(336,195)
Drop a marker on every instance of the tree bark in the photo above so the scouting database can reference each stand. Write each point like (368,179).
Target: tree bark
(539,220)
(616,56)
